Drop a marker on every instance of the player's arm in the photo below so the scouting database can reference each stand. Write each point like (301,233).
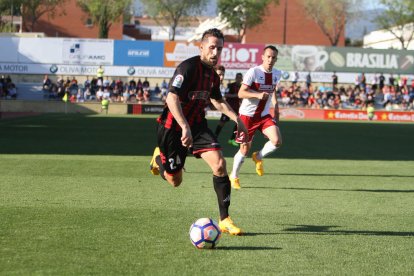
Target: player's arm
(173,103)
(276,107)
(222,106)
(246,93)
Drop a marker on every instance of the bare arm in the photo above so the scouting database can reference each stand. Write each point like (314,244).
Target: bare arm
(246,93)
(173,103)
(276,105)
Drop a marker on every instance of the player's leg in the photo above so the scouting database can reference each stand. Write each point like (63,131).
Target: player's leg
(169,158)
(221,124)
(272,132)
(232,139)
(221,183)
(206,146)
(243,151)
(238,161)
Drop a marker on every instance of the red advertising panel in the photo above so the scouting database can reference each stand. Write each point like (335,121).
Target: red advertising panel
(357,115)
(241,56)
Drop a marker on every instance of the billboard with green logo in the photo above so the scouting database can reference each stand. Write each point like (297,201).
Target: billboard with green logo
(344,59)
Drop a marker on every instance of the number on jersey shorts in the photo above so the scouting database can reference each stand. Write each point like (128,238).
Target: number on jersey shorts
(255,123)
(173,153)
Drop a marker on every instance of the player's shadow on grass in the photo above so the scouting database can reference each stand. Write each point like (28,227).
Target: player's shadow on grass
(248,248)
(328,230)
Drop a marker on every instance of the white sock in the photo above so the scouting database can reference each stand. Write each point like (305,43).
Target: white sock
(237,163)
(266,150)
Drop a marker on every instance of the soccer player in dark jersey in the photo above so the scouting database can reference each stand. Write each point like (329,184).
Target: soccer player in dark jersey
(232,98)
(182,124)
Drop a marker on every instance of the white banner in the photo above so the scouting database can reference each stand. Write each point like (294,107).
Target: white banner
(9,49)
(88,51)
(149,71)
(40,50)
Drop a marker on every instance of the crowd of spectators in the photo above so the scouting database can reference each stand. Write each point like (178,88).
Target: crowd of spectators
(8,89)
(396,94)
(95,89)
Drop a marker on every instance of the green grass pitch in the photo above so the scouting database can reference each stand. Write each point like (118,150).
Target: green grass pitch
(77,198)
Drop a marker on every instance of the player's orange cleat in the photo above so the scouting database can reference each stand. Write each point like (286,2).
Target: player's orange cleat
(259,164)
(235,183)
(154,168)
(227,226)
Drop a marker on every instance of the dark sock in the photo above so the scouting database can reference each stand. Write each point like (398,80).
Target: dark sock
(233,134)
(218,130)
(160,166)
(223,190)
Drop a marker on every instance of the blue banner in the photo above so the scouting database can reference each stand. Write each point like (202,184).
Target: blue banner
(138,53)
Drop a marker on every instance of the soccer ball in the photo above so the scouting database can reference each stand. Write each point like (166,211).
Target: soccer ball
(205,233)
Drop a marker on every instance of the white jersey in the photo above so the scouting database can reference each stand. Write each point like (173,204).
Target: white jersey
(258,80)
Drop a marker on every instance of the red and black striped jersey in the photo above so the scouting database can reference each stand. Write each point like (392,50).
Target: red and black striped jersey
(195,83)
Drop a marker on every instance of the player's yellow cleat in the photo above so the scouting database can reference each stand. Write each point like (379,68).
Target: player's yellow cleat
(235,183)
(259,164)
(154,168)
(227,226)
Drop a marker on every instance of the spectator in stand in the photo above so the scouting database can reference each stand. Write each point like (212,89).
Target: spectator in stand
(146,89)
(11,91)
(387,96)
(145,84)
(308,80)
(374,83)
(381,81)
(2,87)
(334,80)
(99,94)
(139,86)
(125,95)
(99,75)
(363,82)
(157,89)
(87,95)
(46,83)
(87,82)
(295,78)
(391,80)
(139,95)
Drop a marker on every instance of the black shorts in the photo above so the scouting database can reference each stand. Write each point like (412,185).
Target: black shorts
(224,118)
(173,153)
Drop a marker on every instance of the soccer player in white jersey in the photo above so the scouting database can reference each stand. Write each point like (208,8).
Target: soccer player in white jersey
(258,93)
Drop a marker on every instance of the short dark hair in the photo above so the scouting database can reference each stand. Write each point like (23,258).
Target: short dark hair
(221,68)
(239,75)
(213,32)
(271,47)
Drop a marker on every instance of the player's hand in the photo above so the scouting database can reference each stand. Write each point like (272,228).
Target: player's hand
(242,135)
(264,96)
(186,138)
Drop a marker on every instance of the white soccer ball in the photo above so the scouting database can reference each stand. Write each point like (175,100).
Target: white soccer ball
(205,233)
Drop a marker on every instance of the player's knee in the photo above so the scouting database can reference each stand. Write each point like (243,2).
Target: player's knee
(219,168)
(278,143)
(244,149)
(175,179)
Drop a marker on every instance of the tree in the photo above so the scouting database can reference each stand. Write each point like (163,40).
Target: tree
(397,18)
(243,14)
(172,12)
(32,10)
(330,15)
(104,12)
